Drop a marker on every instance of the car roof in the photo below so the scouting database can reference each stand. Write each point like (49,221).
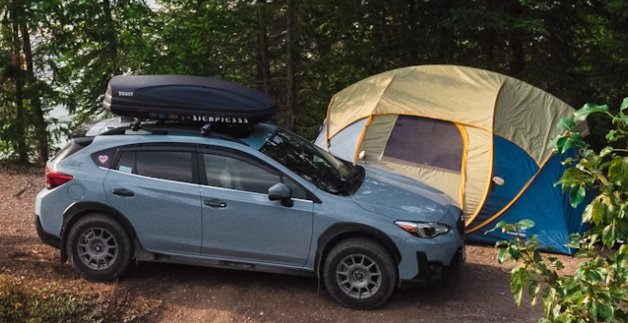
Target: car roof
(119,130)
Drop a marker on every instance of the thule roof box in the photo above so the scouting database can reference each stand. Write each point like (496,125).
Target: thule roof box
(187,99)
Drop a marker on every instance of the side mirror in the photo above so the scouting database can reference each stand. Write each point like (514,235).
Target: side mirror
(281,192)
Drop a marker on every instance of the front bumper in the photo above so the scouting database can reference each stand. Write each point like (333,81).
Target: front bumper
(430,271)
(46,237)
(423,259)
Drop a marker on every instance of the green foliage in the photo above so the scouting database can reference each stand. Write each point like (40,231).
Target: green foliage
(42,303)
(571,49)
(598,290)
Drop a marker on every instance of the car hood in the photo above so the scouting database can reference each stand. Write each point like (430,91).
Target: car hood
(401,198)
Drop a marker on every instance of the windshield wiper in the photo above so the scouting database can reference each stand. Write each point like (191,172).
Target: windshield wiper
(354,180)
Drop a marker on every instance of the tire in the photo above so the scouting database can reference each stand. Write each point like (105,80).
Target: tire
(99,248)
(371,273)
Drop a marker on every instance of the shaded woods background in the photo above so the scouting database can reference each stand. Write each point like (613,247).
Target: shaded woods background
(63,52)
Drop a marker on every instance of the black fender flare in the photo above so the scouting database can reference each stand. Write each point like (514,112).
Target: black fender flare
(77,209)
(341,231)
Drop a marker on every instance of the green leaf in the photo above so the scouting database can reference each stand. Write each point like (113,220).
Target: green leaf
(577,140)
(620,117)
(592,308)
(517,282)
(605,312)
(533,290)
(525,224)
(614,135)
(499,225)
(587,215)
(566,124)
(569,143)
(609,235)
(567,161)
(597,212)
(502,255)
(503,225)
(560,144)
(624,105)
(576,195)
(501,243)
(618,171)
(587,109)
(606,151)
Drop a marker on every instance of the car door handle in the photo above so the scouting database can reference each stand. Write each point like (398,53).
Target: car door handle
(214,203)
(122,192)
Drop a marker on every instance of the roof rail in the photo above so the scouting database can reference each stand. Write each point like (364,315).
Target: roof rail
(165,129)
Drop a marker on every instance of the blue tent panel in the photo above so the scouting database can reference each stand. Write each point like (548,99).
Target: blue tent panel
(545,204)
(515,167)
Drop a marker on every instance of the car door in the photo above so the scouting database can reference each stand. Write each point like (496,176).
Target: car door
(157,189)
(240,222)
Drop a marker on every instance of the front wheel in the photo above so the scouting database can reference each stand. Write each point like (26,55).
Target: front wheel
(359,273)
(98,247)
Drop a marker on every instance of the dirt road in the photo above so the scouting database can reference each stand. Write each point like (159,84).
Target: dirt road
(176,293)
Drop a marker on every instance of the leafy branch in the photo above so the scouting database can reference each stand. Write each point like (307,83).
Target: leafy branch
(598,290)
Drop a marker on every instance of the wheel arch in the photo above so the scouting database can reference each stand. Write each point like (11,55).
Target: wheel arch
(341,231)
(79,209)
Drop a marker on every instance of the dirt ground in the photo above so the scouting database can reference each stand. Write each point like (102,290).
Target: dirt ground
(177,293)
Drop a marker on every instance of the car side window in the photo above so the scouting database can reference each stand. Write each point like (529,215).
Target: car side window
(228,172)
(170,165)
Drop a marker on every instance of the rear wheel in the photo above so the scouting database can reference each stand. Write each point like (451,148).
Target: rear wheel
(359,273)
(98,247)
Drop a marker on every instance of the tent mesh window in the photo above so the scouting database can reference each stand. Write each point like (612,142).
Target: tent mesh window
(426,143)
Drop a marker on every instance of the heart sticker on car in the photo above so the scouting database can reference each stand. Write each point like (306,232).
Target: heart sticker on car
(103,159)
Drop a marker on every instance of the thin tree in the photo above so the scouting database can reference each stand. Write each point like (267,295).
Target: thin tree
(290,67)
(22,149)
(35,101)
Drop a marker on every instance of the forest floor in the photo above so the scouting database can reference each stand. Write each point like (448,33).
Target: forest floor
(176,293)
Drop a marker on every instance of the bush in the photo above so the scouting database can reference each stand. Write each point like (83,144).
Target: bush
(41,303)
(598,291)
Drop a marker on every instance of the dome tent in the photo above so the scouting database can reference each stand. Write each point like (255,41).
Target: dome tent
(479,136)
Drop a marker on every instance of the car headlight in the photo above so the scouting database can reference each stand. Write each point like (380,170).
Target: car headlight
(423,230)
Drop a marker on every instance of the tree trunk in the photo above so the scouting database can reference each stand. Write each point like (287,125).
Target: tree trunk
(410,53)
(263,44)
(291,95)
(517,62)
(110,38)
(22,149)
(445,36)
(40,123)
(489,41)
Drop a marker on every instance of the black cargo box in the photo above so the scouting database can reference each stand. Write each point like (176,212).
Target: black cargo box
(187,99)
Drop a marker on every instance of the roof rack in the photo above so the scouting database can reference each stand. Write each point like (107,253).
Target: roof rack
(179,128)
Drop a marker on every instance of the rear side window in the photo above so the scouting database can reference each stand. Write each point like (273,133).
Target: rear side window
(72,147)
(170,165)
(104,158)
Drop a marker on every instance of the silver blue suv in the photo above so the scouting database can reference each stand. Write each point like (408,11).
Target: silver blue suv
(264,200)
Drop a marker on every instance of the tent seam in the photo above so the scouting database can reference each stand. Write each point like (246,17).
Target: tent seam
(463,170)
(490,171)
(361,139)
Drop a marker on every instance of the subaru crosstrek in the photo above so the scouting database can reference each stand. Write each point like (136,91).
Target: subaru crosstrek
(264,200)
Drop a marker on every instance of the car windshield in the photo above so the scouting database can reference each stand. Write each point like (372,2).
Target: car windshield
(313,164)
